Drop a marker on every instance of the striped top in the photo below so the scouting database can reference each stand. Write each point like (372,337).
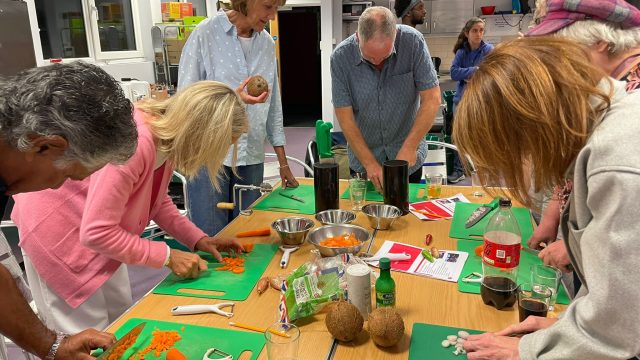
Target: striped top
(384,103)
(214,52)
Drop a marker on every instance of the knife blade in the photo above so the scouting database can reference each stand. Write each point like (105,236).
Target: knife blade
(479,213)
(530,250)
(127,339)
(292,197)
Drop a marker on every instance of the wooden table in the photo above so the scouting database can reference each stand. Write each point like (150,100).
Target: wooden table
(419,299)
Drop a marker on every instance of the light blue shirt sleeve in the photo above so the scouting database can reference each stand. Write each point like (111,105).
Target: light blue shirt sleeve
(191,68)
(275,129)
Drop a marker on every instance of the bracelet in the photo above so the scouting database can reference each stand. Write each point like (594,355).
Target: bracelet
(168,258)
(56,344)
(284,166)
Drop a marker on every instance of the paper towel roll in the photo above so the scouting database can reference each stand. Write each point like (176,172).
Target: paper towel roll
(359,288)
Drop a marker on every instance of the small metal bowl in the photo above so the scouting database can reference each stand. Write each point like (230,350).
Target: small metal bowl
(330,217)
(292,230)
(381,216)
(319,234)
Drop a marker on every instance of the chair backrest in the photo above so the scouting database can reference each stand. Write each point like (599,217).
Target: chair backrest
(272,168)
(339,147)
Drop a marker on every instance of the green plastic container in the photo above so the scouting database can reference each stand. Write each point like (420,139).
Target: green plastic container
(448,98)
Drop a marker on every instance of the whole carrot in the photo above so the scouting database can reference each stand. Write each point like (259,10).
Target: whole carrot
(256,232)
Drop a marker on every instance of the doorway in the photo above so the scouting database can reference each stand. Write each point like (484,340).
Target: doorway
(301,83)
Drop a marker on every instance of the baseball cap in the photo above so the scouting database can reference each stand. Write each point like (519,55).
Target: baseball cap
(562,13)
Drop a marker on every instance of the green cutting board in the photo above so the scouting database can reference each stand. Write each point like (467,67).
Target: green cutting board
(234,286)
(463,210)
(196,340)
(474,263)
(277,202)
(373,195)
(426,342)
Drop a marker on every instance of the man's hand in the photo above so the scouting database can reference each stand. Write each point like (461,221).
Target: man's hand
(186,264)
(529,325)
(491,347)
(214,245)
(288,180)
(80,345)
(374,174)
(556,255)
(407,154)
(248,99)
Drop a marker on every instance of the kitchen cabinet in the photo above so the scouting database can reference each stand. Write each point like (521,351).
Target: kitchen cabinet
(446,17)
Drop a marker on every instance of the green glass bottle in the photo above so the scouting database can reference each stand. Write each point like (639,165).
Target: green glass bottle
(385,286)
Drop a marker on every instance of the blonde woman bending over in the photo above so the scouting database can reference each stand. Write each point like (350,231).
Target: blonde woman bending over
(541,101)
(77,239)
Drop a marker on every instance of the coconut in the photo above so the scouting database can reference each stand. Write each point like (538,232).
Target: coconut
(386,326)
(344,321)
(257,85)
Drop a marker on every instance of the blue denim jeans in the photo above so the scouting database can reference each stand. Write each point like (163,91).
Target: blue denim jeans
(203,198)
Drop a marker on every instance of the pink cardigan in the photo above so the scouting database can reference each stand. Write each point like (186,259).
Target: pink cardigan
(76,248)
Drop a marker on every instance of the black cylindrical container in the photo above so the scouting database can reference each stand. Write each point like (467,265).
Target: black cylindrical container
(325,186)
(395,179)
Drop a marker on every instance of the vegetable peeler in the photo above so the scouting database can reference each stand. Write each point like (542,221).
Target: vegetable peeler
(220,355)
(199,309)
(286,251)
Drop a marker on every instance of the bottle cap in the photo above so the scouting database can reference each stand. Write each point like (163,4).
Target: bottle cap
(385,263)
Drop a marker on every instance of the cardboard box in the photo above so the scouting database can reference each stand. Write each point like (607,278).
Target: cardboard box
(170,10)
(174,57)
(186,9)
(175,45)
(159,92)
(175,10)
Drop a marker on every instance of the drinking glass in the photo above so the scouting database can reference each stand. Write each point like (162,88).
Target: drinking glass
(357,193)
(543,275)
(283,340)
(433,183)
(476,185)
(533,300)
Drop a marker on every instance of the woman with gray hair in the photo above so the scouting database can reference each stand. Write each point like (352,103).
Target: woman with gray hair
(75,113)
(77,239)
(610,29)
(56,122)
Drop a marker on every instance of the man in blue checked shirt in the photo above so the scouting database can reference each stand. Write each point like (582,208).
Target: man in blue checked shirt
(231,47)
(385,93)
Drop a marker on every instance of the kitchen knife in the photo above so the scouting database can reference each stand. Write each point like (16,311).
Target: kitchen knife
(127,340)
(292,197)
(479,213)
(530,250)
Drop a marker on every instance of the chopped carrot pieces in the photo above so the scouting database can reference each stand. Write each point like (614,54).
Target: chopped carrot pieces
(248,247)
(175,354)
(235,265)
(161,341)
(344,240)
